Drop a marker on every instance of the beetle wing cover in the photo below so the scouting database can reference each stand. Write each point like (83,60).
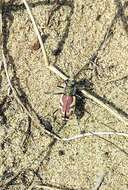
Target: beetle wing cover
(66,104)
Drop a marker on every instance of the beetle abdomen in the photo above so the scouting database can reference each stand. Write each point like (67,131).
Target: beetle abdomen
(66,105)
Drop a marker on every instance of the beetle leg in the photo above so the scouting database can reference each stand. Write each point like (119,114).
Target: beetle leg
(78,96)
(54,93)
(73,103)
(60,86)
(78,125)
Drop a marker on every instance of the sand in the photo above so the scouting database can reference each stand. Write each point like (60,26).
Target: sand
(80,29)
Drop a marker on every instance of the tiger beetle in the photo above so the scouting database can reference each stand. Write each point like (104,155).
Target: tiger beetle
(70,96)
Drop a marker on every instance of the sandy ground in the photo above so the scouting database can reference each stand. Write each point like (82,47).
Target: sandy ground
(76,31)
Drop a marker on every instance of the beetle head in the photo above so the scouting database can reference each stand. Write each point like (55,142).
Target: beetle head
(70,82)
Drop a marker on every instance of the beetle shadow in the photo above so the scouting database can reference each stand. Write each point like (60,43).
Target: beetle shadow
(81,99)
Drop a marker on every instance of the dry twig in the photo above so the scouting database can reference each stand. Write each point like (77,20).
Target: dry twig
(95,133)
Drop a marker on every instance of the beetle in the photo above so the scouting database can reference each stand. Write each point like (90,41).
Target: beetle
(71,98)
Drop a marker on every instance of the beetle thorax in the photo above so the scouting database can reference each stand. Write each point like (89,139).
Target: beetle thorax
(70,88)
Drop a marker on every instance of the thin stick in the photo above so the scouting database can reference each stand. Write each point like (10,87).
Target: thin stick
(34,118)
(57,71)
(95,133)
